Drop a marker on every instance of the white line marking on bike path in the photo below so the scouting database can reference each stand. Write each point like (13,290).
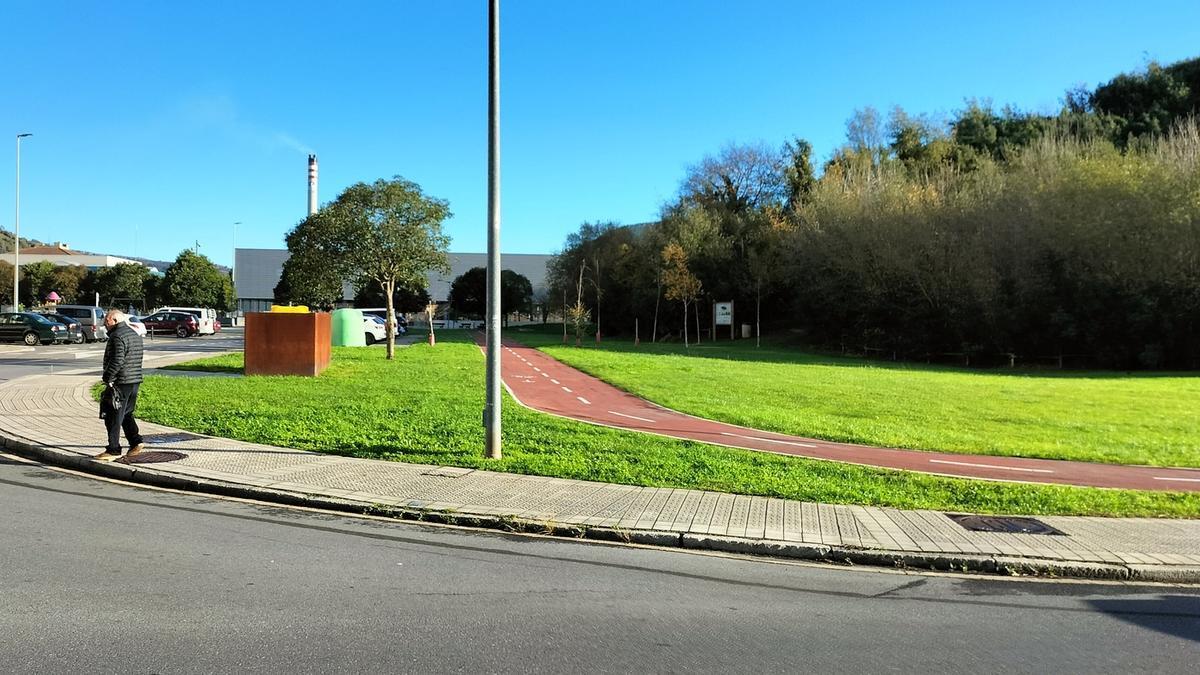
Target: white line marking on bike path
(990,466)
(632,417)
(769,440)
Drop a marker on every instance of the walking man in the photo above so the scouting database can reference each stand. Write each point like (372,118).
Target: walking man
(122,372)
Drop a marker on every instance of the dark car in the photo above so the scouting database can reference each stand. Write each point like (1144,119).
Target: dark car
(74,328)
(181,324)
(30,328)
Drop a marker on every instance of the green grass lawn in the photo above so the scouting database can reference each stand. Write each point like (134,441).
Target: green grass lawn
(1122,418)
(425,407)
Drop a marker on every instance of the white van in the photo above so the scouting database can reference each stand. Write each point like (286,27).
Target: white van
(206,319)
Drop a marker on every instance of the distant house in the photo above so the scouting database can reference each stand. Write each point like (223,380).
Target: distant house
(59,253)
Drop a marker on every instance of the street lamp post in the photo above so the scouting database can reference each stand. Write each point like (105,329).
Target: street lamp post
(492,412)
(17,230)
(233,271)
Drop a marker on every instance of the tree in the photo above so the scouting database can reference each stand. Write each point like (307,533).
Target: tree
(468,293)
(194,281)
(406,299)
(311,275)
(864,132)
(36,282)
(6,276)
(1147,102)
(680,283)
(798,171)
(516,293)
(388,232)
(67,281)
(125,281)
(740,177)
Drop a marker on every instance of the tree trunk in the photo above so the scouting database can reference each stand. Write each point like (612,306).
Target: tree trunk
(597,285)
(389,293)
(657,297)
(758,315)
(564,316)
(696,305)
(685,336)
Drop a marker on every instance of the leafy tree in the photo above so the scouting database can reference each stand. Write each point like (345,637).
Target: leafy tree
(1146,103)
(67,280)
(36,282)
(6,277)
(468,293)
(388,232)
(126,281)
(307,279)
(516,293)
(798,171)
(406,299)
(194,281)
(679,281)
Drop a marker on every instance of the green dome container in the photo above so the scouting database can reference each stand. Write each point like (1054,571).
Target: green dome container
(347,329)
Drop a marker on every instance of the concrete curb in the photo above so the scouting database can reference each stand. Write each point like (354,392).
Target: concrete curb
(416,511)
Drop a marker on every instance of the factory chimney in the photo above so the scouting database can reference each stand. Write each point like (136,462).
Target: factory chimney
(312,184)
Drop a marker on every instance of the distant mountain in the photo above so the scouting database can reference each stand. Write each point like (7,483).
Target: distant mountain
(6,239)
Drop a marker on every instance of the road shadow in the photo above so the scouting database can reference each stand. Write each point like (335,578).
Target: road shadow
(1177,615)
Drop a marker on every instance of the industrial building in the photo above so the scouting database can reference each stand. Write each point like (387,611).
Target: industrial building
(257,271)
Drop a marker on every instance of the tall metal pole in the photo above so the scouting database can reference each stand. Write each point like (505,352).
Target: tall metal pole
(17,231)
(491,413)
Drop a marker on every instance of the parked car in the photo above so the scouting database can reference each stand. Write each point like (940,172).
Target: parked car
(74,328)
(91,320)
(30,328)
(181,324)
(135,322)
(376,328)
(206,319)
(381,312)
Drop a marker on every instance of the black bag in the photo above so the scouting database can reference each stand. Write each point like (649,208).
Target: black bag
(110,401)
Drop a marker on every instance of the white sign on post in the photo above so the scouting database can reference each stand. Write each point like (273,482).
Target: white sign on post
(723,313)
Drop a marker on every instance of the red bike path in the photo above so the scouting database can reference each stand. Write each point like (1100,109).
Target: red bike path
(542,383)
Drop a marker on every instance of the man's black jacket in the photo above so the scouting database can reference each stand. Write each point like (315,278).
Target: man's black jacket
(123,356)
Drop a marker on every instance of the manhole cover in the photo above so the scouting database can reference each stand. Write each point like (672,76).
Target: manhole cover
(159,439)
(1010,525)
(153,457)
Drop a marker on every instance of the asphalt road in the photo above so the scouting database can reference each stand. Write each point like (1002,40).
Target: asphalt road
(100,577)
(17,360)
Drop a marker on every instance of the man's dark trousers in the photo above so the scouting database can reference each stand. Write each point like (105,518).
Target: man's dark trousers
(124,419)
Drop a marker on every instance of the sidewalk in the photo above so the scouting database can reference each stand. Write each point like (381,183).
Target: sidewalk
(53,419)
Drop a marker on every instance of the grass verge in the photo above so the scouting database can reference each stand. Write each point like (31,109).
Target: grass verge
(1119,418)
(425,407)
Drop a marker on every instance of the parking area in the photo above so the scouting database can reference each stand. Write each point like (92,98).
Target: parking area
(17,359)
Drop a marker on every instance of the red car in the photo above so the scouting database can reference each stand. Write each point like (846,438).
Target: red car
(181,324)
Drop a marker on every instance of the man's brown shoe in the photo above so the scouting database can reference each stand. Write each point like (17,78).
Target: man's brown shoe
(106,456)
(136,450)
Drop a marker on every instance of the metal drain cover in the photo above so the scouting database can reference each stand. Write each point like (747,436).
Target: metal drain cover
(153,457)
(1004,524)
(158,439)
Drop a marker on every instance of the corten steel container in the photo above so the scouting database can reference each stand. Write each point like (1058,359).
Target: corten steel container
(280,343)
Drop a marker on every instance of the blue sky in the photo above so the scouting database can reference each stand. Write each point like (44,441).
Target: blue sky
(159,124)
